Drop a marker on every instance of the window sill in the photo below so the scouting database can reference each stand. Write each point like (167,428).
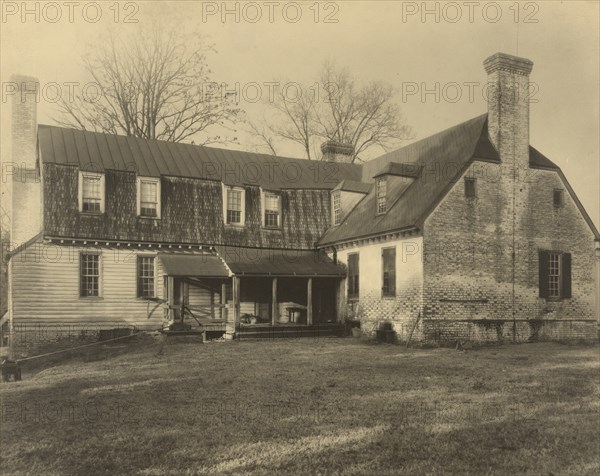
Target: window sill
(388,297)
(555,299)
(91,214)
(235,225)
(148,218)
(91,298)
(272,228)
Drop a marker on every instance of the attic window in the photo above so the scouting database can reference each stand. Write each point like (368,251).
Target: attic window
(470,187)
(272,210)
(148,197)
(381,196)
(234,200)
(558,199)
(336,207)
(91,192)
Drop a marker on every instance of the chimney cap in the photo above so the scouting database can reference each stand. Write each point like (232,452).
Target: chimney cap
(506,62)
(333,147)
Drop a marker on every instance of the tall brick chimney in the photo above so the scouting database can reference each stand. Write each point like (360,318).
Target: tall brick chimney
(26,196)
(508,107)
(337,152)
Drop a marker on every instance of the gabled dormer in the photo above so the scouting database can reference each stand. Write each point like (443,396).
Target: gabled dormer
(344,198)
(391,182)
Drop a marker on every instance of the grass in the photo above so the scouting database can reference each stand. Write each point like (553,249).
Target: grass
(304,406)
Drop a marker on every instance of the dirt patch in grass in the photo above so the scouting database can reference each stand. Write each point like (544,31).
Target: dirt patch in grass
(304,406)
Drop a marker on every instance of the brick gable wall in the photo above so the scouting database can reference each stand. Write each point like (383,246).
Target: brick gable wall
(468,265)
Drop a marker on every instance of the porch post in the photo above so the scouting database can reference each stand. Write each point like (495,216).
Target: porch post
(236,300)
(309,302)
(171,297)
(223,311)
(275,305)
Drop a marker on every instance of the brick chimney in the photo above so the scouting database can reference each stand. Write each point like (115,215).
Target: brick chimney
(508,107)
(26,196)
(337,152)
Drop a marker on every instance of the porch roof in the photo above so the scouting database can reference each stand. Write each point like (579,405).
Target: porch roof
(197,265)
(272,262)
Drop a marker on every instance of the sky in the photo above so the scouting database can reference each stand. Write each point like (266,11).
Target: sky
(431,53)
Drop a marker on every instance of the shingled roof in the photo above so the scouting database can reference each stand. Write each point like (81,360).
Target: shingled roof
(431,166)
(154,158)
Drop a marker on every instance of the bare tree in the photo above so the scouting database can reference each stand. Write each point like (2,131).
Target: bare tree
(154,85)
(340,110)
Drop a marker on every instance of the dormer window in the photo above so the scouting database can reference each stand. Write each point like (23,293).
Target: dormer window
(336,207)
(148,197)
(271,210)
(381,196)
(91,192)
(235,205)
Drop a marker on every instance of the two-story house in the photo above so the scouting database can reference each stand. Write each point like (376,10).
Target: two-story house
(468,234)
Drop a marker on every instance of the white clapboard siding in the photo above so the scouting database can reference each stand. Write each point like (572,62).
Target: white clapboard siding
(47,290)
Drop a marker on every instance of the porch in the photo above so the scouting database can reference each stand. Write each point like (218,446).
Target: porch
(251,292)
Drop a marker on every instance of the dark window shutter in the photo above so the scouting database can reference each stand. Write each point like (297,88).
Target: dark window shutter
(566,275)
(389,271)
(543,273)
(353,275)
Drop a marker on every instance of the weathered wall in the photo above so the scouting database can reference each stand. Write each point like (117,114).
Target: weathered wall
(371,307)
(45,294)
(191,213)
(471,289)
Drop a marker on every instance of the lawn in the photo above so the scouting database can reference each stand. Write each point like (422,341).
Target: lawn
(307,406)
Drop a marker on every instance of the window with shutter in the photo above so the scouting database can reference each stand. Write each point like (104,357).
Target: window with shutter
(554,274)
(388,265)
(353,276)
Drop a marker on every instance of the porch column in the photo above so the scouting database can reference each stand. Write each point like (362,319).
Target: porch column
(171,297)
(309,302)
(274,303)
(236,300)
(223,311)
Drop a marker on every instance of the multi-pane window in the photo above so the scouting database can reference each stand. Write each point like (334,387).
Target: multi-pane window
(336,207)
(272,206)
(234,206)
(148,199)
(381,196)
(558,198)
(90,275)
(470,187)
(554,274)
(388,266)
(353,276)
(145,276)
(91,192)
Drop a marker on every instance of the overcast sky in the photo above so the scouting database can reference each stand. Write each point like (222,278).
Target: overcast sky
(392,41)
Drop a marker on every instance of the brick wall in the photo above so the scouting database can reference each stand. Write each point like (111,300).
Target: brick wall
(371,307)
(470,289)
